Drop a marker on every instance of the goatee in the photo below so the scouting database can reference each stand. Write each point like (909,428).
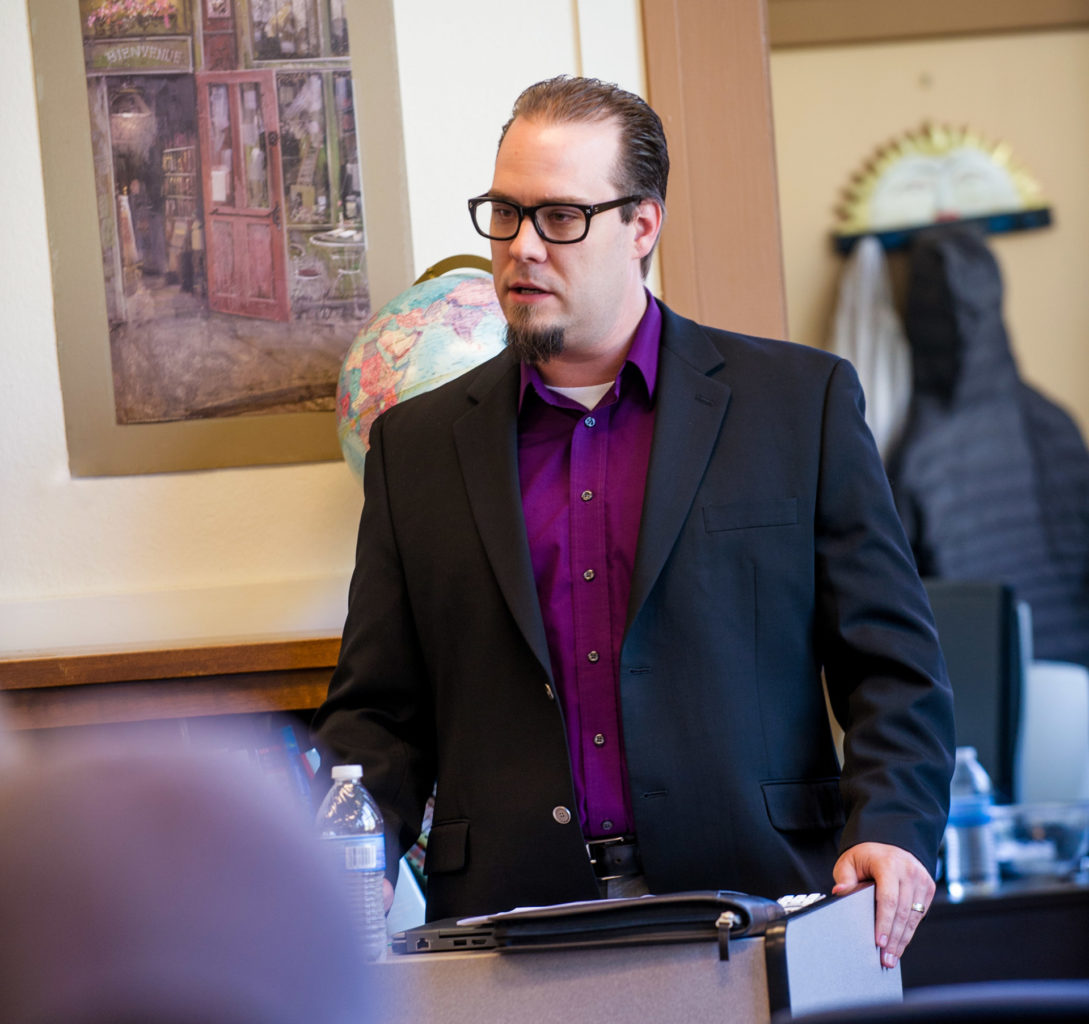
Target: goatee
(534,344)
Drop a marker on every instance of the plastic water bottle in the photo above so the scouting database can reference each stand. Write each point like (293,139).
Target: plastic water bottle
(350,823)
(971,863)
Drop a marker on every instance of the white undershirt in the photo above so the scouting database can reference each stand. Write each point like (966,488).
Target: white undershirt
(587,396)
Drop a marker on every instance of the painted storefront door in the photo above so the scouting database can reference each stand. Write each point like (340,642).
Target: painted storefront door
(242,180)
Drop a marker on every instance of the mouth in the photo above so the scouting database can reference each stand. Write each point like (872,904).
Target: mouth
(525,289)
(526,294)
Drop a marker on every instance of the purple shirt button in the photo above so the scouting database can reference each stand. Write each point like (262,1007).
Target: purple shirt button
(560,468)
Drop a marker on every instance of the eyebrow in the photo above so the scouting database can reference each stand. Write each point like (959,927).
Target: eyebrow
(552,201)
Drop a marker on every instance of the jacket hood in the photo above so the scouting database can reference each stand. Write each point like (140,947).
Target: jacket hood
(960,349)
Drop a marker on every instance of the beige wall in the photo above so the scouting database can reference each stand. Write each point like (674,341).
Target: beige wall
(834,105)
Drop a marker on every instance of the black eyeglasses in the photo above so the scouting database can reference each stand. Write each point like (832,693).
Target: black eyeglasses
(561,223)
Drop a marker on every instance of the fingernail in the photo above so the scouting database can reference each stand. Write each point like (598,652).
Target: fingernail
(882,941)
(890,960)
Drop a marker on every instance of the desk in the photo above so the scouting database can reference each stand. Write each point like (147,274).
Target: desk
(1026,929)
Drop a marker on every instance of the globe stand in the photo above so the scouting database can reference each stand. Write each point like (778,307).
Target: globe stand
(455,263)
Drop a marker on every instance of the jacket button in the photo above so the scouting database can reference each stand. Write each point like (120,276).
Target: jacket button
(562,815)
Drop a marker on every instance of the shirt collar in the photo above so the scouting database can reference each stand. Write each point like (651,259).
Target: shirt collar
(643,356)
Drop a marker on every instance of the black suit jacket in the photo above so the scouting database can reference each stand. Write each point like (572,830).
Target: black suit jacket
(769,551)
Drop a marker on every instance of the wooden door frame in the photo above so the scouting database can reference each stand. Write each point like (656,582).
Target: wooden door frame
(720,257)
(840,22)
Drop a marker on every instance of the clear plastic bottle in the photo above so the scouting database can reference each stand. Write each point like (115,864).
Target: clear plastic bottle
(971,863)
(351,824)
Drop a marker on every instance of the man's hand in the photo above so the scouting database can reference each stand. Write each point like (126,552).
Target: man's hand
(387,893)
(903,887)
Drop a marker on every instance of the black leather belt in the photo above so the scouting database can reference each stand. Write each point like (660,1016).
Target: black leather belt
(615,857)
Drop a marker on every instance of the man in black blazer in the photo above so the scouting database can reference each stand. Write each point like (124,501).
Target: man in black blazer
(599,579)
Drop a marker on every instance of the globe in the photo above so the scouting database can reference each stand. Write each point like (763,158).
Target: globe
(427,335)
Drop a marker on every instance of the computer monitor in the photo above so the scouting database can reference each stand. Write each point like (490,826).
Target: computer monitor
(980,635)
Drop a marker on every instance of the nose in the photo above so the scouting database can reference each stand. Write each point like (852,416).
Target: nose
(527,245)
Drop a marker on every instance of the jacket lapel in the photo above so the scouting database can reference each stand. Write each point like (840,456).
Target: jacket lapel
(690,408)
(487,443)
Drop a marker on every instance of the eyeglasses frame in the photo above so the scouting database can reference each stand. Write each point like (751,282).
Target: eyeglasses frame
(588,211)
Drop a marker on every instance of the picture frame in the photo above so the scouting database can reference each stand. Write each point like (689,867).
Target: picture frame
(98,445)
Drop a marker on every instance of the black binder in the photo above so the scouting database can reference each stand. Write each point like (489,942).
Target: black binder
(673,917)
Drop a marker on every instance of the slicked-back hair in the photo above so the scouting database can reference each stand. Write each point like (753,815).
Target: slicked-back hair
(643,166)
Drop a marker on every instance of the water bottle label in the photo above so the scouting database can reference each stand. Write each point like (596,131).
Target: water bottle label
(364,854)
(969,811)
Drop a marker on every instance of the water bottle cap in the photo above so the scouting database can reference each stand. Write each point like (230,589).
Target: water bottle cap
(966,753)
(344,772)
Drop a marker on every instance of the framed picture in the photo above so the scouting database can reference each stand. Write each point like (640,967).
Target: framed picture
(225,203)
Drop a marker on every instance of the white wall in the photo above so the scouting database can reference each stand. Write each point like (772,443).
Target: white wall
(151,560)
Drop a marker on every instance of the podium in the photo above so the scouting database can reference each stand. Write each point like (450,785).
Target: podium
(821,957)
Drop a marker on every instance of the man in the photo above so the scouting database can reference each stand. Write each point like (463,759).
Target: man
(599,576)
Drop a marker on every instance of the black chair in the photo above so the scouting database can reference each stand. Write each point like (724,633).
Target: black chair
(993,1002)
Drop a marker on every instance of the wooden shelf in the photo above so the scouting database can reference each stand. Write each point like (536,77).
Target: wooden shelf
(97,687)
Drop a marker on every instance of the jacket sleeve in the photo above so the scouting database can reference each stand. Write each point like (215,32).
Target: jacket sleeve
(885,673)
(378,709)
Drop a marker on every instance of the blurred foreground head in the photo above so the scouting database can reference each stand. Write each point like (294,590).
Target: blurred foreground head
(166,890)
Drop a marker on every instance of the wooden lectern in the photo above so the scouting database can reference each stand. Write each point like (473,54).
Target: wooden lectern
(818,958)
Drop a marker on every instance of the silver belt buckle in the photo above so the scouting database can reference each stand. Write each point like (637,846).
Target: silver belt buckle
(594,845)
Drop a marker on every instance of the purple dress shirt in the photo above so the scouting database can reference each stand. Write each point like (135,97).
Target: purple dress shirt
(583,475)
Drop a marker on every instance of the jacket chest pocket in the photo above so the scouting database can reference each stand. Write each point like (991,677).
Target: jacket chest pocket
(747,515)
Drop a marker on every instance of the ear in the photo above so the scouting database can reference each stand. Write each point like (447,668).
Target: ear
(648,223)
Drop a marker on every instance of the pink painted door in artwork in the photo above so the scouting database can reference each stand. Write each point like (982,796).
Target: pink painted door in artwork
(242,180)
